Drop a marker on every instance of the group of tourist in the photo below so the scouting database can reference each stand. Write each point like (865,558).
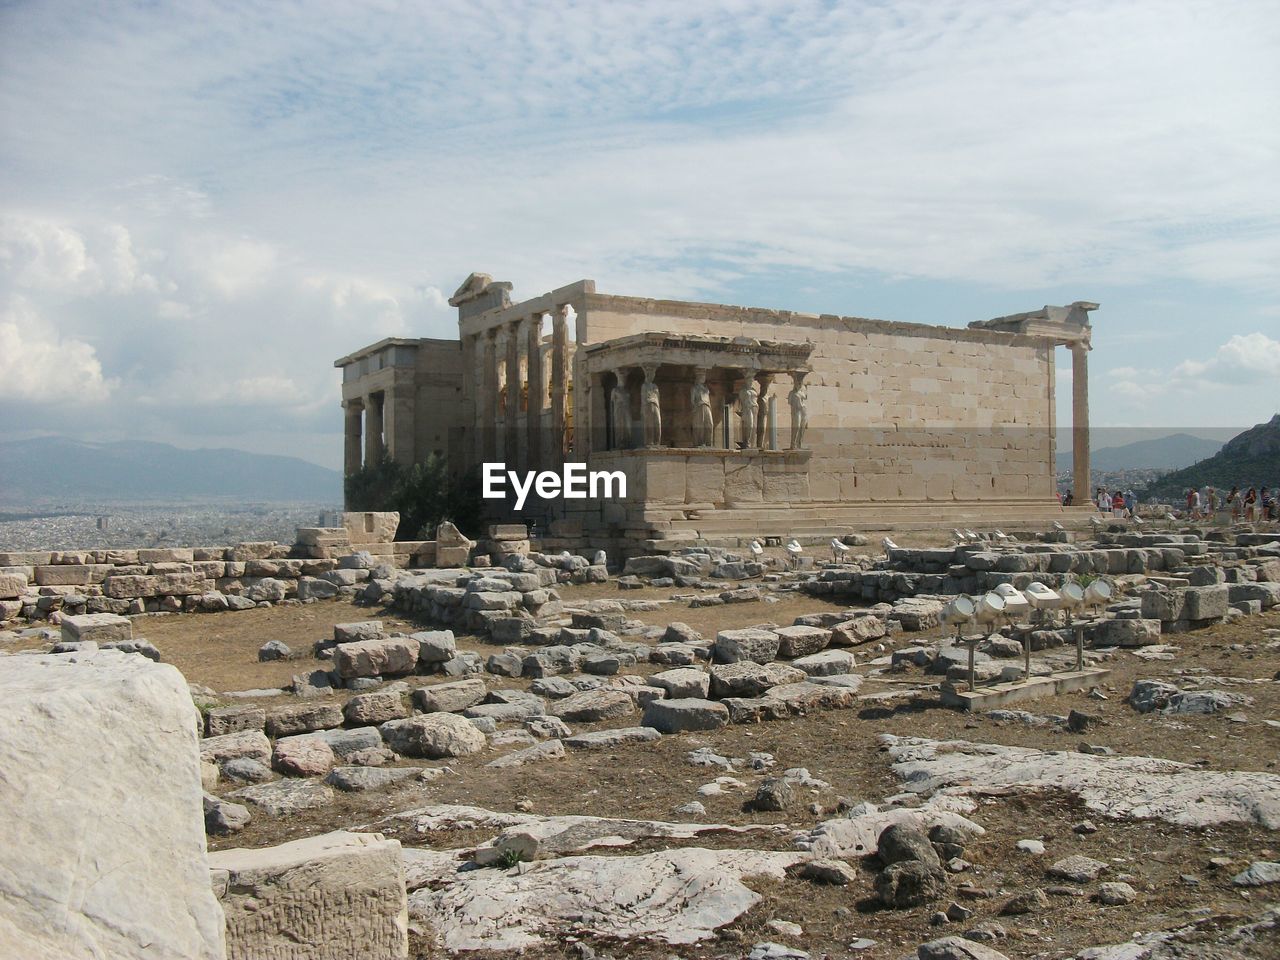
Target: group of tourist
(1249,505)
(1252,505)
(1121,504)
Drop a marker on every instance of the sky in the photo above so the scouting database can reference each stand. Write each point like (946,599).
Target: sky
(202,205)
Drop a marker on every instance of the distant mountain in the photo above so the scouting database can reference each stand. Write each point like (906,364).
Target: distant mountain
(1164,453)
(49,468)
(1251,459)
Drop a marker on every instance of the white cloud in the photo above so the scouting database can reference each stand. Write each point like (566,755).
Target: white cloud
(239,194)
(160,196)
(1251,358)
(43,254)
(1229,373)
(924,141)
(37,365)
(230,267)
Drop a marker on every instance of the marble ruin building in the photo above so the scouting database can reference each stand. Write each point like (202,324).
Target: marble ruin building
(732,421)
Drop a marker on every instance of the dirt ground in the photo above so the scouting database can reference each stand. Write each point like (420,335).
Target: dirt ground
(1169,865)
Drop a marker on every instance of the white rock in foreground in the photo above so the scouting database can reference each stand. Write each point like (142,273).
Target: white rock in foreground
(102,844)
(545,837)
(858,835)
(1141,788)
(675,896)
(331,897)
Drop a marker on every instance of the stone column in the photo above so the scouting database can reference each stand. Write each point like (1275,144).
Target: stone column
(489,396)
(748,407)
(352,452)
(462,459)
(512,454)
(537,392)
(372,429)
(1080,423)
(398,425)
(560,382)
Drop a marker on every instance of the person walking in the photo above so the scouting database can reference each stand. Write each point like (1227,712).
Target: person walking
(1233,504)
(1210,501)
(1250,504)
(1104,501)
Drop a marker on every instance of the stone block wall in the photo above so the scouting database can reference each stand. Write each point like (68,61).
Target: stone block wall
(324,563)
(897,411)
(152,580)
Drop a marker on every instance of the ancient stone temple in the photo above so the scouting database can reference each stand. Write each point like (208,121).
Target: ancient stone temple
(731,422)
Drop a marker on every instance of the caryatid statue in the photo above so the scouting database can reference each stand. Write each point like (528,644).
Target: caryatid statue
(748,397)
(704,427)
(651,409)
(620,412)
(765,381)
(799,400)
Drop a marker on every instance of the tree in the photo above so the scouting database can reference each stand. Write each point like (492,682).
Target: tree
(423,494)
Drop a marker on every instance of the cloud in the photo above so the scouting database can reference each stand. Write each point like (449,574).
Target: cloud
(1236,366)
(232,195)
(42,254)
(923,142)
(38,365)
(230,267)
(1252,358)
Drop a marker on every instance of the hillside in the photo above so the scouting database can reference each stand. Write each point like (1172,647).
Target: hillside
(48,468)
(1162,453)
(1249,459)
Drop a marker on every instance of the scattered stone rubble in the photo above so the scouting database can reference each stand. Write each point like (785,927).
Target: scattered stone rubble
(374,698)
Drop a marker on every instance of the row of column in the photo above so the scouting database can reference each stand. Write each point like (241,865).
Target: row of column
(376,424)
(522,441)
(755,409)
(362,432)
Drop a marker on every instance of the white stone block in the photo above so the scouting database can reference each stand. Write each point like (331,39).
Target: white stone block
(332,897)
(102,843)
(99,627)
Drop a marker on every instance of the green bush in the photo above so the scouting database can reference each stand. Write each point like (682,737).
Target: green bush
(423,494)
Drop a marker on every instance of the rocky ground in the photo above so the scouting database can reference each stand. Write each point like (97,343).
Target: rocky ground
(1052,838)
